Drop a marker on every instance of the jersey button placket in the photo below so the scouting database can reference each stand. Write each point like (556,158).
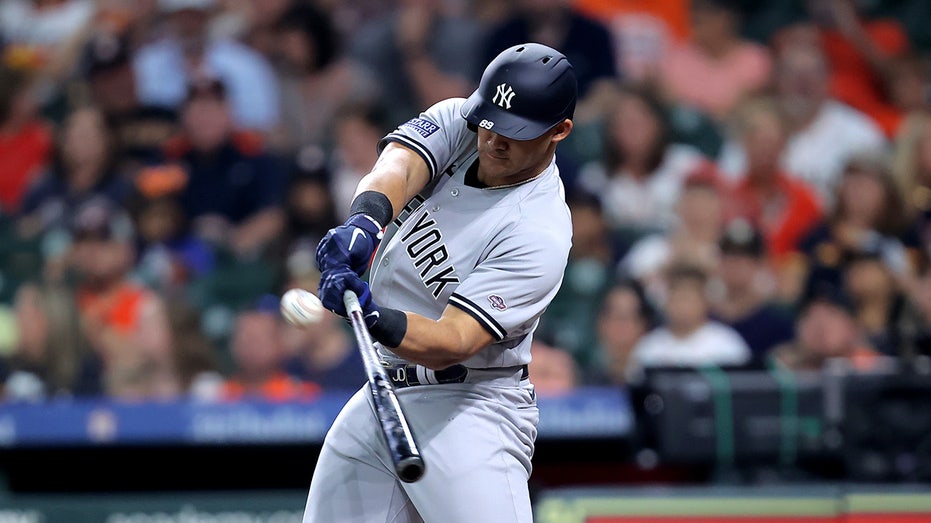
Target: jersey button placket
(454,192)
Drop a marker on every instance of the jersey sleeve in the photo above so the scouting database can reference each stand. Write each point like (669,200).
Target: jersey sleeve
(511,288)
(437,135)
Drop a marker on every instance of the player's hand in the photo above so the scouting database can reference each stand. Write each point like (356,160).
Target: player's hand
(349,245)
(334,283)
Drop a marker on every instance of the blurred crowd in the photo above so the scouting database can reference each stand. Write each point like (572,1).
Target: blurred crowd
(750,183)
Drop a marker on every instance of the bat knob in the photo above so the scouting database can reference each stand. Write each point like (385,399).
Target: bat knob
(410,469)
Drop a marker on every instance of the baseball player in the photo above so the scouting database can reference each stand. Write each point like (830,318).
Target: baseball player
(476,238)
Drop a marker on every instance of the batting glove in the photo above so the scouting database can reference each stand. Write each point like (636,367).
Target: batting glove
(334,283)
(349,245)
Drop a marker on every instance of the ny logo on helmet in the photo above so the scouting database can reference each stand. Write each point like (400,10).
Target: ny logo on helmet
(503,96)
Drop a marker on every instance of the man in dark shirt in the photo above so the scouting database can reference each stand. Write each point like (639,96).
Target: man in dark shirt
(746,306)
(235,194)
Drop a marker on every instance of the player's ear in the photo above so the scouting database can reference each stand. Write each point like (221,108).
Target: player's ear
(562,130)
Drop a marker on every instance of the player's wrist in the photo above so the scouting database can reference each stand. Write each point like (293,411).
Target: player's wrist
(367,224)
(374,205)
(389,327)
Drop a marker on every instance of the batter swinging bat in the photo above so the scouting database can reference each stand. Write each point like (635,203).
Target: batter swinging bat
(408,463)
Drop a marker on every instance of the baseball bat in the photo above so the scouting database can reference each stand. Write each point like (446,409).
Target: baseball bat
(408,463)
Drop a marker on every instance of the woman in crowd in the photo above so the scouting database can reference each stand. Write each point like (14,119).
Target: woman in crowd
(83,168)
(641,174)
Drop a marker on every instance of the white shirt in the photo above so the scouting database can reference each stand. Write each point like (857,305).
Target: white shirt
(711,344)
(648,203)
(817,153)
(23,22)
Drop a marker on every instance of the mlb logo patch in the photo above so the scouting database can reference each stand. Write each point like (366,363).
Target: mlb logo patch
(422,127)
(497,302)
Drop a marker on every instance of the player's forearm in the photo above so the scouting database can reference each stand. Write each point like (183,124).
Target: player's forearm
(437,344)
(399,174)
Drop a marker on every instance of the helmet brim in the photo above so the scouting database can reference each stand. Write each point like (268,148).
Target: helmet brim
(476,110)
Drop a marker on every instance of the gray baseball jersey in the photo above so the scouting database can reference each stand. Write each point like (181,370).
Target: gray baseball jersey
(496,253)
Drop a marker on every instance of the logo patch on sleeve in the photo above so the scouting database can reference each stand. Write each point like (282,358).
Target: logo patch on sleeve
(497,302)
(422,127)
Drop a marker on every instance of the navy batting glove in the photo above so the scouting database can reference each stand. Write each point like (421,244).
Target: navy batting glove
(350,245)
(334,283)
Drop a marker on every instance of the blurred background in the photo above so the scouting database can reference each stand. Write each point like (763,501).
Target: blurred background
(743,332)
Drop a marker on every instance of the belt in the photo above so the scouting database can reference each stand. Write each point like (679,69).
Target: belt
(411,375)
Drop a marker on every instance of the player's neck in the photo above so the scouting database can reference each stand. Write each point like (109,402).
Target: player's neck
(482,179)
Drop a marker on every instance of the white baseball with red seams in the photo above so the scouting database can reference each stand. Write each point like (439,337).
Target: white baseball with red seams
(300,307)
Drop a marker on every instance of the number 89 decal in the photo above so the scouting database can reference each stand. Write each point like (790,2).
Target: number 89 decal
(486,124)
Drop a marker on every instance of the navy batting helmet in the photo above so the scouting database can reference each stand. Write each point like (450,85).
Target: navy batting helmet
(524,92)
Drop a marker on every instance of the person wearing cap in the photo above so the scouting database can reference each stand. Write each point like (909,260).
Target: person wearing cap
(140,129)
(746,301)
(126,324)
(235,189)
(465,214)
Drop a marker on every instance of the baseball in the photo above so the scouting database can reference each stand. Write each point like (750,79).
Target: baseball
(300,307)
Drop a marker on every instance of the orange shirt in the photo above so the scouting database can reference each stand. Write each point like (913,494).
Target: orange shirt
(674,13)
(643,31)
(783,218)
(119,309)
(280,387)
(21,158)
(854,82)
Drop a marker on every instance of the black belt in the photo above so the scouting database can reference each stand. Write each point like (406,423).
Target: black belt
(409,374)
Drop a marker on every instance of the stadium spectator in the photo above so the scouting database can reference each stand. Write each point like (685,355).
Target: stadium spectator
(420,55)
(782,207)
(256,23)
(912,169)
(643,33)
(259,357)
(868,217)
(688,337)
(825,329)
(309,214)
(324,353)
(140,130)
(716,68)
(46,26)
(352,157)
(585,42)
(25,139)
(821,132)
(625,316)
(641,173)
(235,187)
(746,302)
(165,68)
(861,51)
(196,357)
(316,78)
(51,347)
(569,321)
(169,255)
(880,304)
(553,369)
(127,324)
(83,168)
(693,238)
